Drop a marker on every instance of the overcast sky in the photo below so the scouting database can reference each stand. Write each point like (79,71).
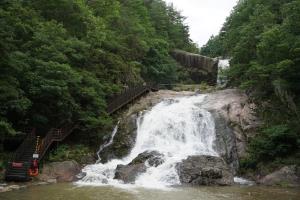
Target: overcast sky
(204,17)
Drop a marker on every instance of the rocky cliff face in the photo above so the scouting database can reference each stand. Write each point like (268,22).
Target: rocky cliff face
(235,122)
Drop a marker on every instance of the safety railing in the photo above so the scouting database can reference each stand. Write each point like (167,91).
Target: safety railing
(127,96)
(55,135)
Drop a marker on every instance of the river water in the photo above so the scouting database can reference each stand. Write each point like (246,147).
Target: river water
(72,192)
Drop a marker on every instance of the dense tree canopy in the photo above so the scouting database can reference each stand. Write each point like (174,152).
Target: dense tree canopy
(262,39)
(60,59)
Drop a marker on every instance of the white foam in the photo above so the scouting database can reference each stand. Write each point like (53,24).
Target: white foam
(242,181)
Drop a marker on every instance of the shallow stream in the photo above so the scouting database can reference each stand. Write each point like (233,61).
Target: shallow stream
(70,191)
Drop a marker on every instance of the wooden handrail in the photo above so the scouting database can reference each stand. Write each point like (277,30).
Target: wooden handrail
(127,96)
(55,135)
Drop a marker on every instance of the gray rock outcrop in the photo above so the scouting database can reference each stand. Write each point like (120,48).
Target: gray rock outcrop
(60,171)
(204,170)
(128,173)
(286,176)
(235,122)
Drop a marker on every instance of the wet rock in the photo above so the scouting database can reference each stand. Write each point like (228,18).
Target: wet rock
(286,176)
(124,139)
(61,171)
(226,142)
(153,158)
(128,173)
(204,170)
(81,175)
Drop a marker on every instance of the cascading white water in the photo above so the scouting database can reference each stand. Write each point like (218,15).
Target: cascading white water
(105,145)
(176,128)
(223,65)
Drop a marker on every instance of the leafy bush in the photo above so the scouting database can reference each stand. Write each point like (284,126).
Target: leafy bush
(68,152)
(273,142)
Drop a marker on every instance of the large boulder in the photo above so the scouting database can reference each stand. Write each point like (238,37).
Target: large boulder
(61,171)
(128,173)
(152,158)
(286,176)
(204,170)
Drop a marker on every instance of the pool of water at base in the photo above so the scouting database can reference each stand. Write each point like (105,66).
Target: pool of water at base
(70,191)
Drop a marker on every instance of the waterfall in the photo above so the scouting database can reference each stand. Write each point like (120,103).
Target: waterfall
(176,128)
(105,145)
(222,65)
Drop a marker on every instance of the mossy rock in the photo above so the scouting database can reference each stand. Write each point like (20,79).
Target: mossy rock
(124,139)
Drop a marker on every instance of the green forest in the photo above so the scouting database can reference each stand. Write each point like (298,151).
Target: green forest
(262,40)
(62,59)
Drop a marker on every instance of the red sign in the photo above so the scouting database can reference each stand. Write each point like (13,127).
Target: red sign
(17,165)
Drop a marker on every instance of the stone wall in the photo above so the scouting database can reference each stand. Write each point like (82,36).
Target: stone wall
(200,68)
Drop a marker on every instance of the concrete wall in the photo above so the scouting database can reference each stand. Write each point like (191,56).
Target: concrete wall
(200,68)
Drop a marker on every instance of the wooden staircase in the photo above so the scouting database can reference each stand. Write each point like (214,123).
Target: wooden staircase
(127,96)
(18,168)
